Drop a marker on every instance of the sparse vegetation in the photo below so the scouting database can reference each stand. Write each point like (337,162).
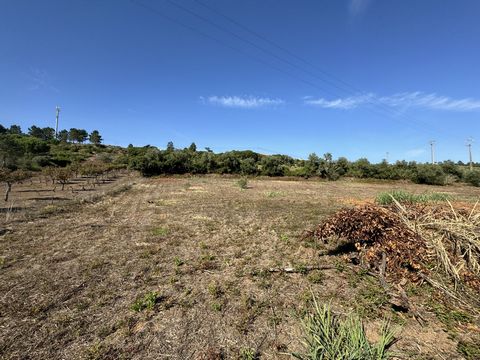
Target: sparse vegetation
(387,198)
(212,258)
(328,336)
(470,350)
(160,231)
(242,183)
(146,302)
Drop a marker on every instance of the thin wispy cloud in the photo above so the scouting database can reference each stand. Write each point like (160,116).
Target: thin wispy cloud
(415,153)
(401,100)
(341,103)
(40,79)
(243,102)
(358,7)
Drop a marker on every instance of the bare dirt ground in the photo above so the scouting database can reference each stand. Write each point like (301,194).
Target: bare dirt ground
(177,268)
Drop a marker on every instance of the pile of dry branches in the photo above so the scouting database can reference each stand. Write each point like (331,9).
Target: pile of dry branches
(415,239)
(375,230)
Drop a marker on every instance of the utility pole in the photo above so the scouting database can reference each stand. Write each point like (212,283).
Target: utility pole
(432,150)
(387,156)
(56,123)
(469,145)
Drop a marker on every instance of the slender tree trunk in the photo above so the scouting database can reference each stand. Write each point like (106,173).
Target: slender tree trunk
(8,189)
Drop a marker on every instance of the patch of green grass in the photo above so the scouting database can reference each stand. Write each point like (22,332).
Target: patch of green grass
(301,268)
(146,302)
(328,336)
(273,194)
(470,350)
(451,318)
(216,306)
(284,238)
(340,266)
(160,231)
(248,354)
(178,261)
(215,290)
(370,299)
(207,257)
(316,277)
(386,198)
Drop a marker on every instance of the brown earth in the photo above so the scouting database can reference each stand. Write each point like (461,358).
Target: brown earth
(71,271)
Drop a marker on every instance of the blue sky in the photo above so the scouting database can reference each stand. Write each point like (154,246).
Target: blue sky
(357,78)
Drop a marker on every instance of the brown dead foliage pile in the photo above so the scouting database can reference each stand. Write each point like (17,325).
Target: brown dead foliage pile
(375,230)
(411,237)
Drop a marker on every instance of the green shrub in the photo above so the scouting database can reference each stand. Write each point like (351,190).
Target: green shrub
(472,177)
(430,175)
(243,183)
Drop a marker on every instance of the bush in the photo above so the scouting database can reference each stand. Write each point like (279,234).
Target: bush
(472,177)
(430,175)
(272,166)
(243,183)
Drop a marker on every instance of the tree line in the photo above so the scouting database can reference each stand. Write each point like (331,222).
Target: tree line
(39,148)
(151,161)
(73,135)
(22,155)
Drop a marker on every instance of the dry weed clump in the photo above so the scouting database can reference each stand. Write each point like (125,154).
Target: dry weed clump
(452,237)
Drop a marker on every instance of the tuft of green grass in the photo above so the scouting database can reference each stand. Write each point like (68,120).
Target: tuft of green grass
(215,290)
(316,277)
(329,337)
(470,350)
(146,302)
(178,261)
(339,266)
(160,231)
(387,198)
(273,194)
(249,354)
(451,318)
(216,306)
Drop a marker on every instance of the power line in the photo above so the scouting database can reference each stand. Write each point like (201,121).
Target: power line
(349,87)
(202,33)
(388,110)
(223,43)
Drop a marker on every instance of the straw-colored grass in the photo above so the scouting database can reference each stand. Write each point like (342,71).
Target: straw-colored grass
(452,235)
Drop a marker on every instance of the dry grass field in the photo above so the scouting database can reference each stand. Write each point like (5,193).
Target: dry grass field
(178,268)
